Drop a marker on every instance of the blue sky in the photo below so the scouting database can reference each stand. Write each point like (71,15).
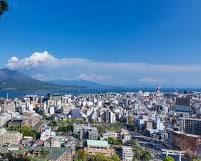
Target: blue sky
(164,36)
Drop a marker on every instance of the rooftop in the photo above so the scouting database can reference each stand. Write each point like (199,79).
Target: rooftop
(97,143)
(181,108)
(190,135)
(76,113)
(56,153)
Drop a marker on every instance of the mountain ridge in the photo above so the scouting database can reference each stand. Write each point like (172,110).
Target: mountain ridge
(15,80)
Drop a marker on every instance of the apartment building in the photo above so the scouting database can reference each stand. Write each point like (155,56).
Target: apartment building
(127,153)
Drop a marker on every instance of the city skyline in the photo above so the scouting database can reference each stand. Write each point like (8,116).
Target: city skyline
(100,80)
(127,43)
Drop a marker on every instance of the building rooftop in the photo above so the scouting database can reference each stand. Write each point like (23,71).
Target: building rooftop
(190,118)
(13,132)
(126,147)
(56,153)
(14,121)
(190,135)
(181,108)
(97,143)
(76,113)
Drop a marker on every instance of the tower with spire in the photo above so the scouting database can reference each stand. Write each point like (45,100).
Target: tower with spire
(157,90)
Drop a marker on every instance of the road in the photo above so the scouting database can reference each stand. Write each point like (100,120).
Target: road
(154,145)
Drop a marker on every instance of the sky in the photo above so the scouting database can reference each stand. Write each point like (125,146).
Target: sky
(117,42)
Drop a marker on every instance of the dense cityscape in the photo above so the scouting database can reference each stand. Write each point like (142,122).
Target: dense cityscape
(100,80)
(109,126)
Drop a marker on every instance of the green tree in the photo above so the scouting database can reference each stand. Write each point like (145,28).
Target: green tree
(102,157)
(44,153)
(111,140)
(147,155)
(32,158)
(114,141)
(53,123)
(115,158)
(28,131)
(14,128)
(168,158)
(81,155)
(3,6)
(141,153)
(66,129)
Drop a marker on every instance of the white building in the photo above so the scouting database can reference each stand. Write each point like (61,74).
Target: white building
(125,135)
(47,133)
(111,134)
(52,110)
(127,153)
(112,117)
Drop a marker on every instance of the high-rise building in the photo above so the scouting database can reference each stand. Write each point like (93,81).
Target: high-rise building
(183,101)
(158,123)
(190,125)
(112,117)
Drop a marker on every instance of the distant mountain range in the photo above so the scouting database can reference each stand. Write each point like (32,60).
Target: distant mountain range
(14,80)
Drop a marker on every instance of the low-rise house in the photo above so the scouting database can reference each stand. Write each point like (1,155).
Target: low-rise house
(111,134)
(53,142)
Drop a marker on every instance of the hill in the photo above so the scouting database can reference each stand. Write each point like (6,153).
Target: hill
(15,80)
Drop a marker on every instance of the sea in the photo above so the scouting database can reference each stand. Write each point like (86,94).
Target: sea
(19,94)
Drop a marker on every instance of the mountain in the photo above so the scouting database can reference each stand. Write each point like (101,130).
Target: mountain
(83,83)
(15,80)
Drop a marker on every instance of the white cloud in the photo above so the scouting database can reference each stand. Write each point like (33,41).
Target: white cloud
(93,77)
(33,61)
(46,66)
